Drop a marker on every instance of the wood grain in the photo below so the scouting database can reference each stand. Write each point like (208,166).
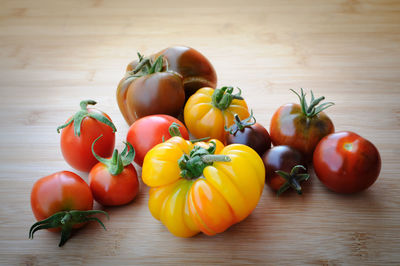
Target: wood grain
(55,53)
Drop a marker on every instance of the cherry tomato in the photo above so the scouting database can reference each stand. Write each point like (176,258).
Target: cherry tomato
(61,201)
(301,126)
(114,181)
(346,162)
(284,168)
(151,130)
(79,132)
(149,89)
(249,133)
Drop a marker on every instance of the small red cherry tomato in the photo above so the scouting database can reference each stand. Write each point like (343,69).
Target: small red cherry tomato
(346,162)
(301,126)
(284,168)
(147,132)
(114,181)
(79,132)
(62,201)
(250,133)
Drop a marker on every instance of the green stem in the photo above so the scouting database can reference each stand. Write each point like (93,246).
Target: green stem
(116,164)
(222,98)
(192,165)
(66,220)
(241,124)
(81,114)
(313,109)
(292,179)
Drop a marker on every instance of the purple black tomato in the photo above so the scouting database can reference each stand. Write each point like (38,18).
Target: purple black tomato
(249,133)
(284,168)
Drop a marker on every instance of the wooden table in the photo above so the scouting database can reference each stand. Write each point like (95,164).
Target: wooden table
(55,53)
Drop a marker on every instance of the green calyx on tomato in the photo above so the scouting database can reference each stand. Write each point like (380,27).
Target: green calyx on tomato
(312,109)
(241,124)
(222,98)
(66,220)
(146,66)
(117,162)
(174,132)
(293,179)
(81,114)
(192,165)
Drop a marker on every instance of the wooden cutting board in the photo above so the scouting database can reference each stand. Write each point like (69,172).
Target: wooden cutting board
(55,53)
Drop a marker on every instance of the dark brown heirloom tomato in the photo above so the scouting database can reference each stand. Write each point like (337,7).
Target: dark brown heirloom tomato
(284,168)
(148,90)
(249,133)
(301,126)
(195,69)
(346,162)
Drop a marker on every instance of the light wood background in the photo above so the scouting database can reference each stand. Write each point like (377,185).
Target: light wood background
(55,53)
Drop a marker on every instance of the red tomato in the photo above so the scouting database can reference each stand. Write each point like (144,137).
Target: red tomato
(346,162)
(114,181)
(63,201)
(80,131)
(147,132)
(301,126)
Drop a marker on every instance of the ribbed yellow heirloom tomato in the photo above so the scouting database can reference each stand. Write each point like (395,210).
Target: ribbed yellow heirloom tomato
(203,186)
(208,111)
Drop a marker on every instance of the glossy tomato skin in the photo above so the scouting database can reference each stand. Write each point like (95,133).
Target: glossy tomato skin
(196,70)
(282,158)
(110,190)
(157,93)
(346,162)
(289,126)
(61,191)
(77,150)
(147,132)
(254,136)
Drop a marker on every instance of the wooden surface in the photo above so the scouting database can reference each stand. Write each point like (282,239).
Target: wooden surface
(55,53)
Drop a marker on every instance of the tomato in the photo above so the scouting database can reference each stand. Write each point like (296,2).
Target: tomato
(62,201)
(301,126)
(79,132)
(195,69)
(151,130)
(149,89)
(285,167)
(114,181)
(346,162)
(249,133)
(209,111)
(203,186)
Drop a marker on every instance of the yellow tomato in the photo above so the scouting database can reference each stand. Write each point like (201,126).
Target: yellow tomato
(203,186)
(209,111)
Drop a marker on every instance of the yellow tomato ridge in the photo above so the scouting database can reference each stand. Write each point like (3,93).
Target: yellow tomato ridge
(224,184)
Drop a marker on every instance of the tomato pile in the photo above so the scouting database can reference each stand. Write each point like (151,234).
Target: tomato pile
(205,184)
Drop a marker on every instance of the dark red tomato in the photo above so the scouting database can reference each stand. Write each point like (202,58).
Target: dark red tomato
(61,201)
(151,130)
(114,181)
(290,165)
(301,126)
(249,133)
(80,131)
(346,162)
(150,89)
(195,69)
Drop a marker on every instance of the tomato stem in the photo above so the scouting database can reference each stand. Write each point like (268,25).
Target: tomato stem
(66,220)
(293,179)
(116,164)
(241,124)
(192,165)
(222,98)
(83,113)
(313,109)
